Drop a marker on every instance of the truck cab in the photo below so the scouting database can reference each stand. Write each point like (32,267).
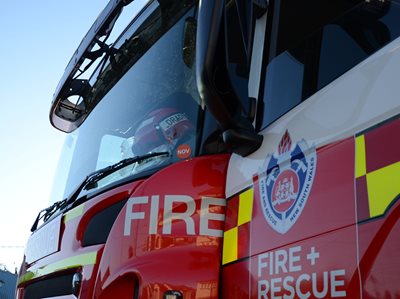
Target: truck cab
(226,149)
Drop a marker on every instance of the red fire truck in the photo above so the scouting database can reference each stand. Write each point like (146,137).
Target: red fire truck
(226,149)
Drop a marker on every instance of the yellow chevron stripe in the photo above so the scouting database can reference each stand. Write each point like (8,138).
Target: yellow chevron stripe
(230,246)
(75,212)
(68,263)
(361,165)
(245,207)
(383,187)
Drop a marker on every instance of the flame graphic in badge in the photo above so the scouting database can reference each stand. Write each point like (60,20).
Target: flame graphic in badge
(285,181)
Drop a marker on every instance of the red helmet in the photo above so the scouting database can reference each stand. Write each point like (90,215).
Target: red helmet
(161,130)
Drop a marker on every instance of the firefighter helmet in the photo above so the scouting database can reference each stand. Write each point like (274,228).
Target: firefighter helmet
(161,130)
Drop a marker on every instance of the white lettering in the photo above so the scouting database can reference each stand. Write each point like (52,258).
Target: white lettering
(172,121)
(155,200)
(304,286)
(320,294)
(263,289)
(288,287)
(130,215)
(209,219)
(275,284)
(337,283)
(183,151)
(298,285)
(261,263)
(206,216)
(275,287)
(169,215)
(271,263)
(280,261)
(294,256)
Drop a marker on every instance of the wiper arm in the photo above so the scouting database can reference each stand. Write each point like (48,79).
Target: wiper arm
(93,178)
(89,183)
(47,213)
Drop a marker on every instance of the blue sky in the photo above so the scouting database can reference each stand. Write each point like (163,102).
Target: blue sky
(37,40)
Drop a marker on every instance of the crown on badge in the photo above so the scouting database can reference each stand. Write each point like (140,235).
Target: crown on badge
(285,144)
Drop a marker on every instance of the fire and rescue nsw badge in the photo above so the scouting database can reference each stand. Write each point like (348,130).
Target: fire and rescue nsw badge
(285,183)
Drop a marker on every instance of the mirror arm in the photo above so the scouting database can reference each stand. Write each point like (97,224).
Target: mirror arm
(238,133)
(101,27)
(208,29)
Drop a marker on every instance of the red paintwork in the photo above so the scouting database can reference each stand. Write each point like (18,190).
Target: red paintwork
(327,223)
(379,255)
(379,243)
(162,261)
(362,199)
(71,236)
(383,146)
(235,280)
(330,205)
(356,257)
(232,213)
(362,253)
(153,261)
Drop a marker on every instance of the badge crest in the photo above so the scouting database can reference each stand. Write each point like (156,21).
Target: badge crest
(285,181)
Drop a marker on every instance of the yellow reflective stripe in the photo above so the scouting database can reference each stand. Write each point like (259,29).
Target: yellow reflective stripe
(383,187)
(68,263)
(75,212)
(230,247)
(361,165)
(245,207)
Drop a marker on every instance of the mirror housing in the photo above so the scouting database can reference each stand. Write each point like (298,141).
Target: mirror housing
(71,111)
(64,114)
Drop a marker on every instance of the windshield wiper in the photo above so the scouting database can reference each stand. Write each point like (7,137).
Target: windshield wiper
(47,213)
(89,183)
(92,179)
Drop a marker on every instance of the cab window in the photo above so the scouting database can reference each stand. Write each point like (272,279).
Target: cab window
(305,50)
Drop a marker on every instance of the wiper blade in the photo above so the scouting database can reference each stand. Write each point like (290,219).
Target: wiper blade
(89,183)
(93,178)
(48,212)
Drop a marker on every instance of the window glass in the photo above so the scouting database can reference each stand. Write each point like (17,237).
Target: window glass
(283,84)
(308,50)
(338,53)
(112,150)
(146,102)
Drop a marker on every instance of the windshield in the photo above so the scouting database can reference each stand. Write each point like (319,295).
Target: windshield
(147,101)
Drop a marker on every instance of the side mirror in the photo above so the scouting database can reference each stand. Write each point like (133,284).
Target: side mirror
(70,101)
(71,109)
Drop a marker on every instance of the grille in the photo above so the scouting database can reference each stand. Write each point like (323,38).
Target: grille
(50,287)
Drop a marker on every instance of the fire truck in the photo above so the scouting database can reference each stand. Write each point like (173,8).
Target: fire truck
(226,149)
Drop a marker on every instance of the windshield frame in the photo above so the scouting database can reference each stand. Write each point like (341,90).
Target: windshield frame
(140,19)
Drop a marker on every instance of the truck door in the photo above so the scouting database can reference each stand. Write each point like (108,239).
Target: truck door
(323,75)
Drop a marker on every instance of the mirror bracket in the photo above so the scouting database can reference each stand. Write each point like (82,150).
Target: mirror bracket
(260,7)
(241,141)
